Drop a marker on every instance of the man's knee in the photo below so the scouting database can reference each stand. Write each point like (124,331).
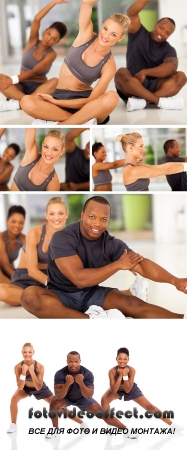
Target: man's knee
(30,299)
(122,75)
(180,79)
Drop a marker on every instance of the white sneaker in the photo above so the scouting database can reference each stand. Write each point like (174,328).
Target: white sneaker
(140,288)
(43,122)
(9,105)
(12,428)
(171,103)
(90,122)
(135,103)
(176,427)
(96,312)
(84,425)
(50,436)
(131,435)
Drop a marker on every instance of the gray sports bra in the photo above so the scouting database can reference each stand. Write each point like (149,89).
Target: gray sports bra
(42,257)
(78,68)
(102,178)
(28,61)
(141,184)
(28,377)
(24,184)
(13,255)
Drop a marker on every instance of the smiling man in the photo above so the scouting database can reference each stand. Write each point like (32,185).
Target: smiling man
(151,75)
(83,255)
(177,181)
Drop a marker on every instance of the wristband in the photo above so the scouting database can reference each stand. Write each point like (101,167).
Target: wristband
(15,79)
(125,377)
(185,166)
(22,377)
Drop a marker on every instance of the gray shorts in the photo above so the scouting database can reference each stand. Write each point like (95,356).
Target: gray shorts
(64,94)
(81,300)
(82,403)
(132,395)
(28,87)
(22,279)
(44,392)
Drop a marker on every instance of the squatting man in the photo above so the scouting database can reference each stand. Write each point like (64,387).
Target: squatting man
(84,254)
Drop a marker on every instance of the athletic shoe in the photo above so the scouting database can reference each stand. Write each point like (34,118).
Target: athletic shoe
(50,436)
(10,105)
(171,103)
(12,428)
(90,122)
(131,435)
(176,427)
(96,312)
(185,314)
(140,288)
(135,103)
(43,122)
(84,425)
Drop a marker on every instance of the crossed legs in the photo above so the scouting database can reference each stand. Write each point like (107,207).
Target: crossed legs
(131,86)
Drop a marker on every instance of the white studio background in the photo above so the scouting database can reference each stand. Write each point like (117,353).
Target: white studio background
(157,352)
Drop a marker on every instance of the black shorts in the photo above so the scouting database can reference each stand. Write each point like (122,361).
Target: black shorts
(132,395)
(44,392)
(22,279)
(82,300)
(28,87)
(64,94)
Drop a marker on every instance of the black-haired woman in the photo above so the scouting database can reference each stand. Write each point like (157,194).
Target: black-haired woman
(122,386)
(6,167)
(11,240)
(37,60)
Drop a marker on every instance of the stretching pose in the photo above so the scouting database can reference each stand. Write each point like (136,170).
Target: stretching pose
(74,101)
(29,376)
(36,171)
(102,177)
(77,169)
(83,255)
(151,73)
(177,182)
(74,385)
(11,240)
(136,177)
(5,167)
(37,59)
(32,268)
(122,386)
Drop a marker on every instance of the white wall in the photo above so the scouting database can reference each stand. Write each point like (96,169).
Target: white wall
(170,217)
(177,12)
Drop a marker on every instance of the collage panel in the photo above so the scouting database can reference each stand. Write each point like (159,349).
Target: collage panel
(107,236)
(154,358)
(118,62)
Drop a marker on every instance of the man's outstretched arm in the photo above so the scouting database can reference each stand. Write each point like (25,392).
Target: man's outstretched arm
(133,12)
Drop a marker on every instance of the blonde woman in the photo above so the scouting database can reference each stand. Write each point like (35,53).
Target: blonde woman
(74,101)
(136,176)
(32,268)
(36,171)
(29,377)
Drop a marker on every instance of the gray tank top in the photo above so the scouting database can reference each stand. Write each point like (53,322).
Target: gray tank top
(13,255)
(24,184)
(28,61)
(78,68)
(102,178)
(42,257)
(141,184)
(28,377)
